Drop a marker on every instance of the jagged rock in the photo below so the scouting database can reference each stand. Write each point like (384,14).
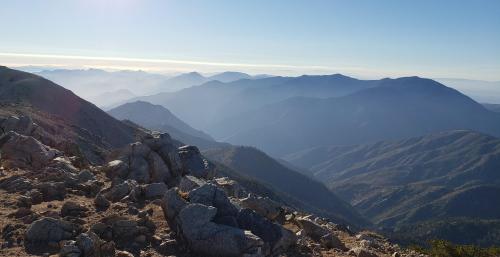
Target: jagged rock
(70,249)
(193,163)
(123,254)
(125,229)
(16,183)
(85,175)
(19,151)
(23,125)
(319,234)
(210,239)
(89,244)
(171,204)
(138,162)
(263,206)
(52,190)
(35,195)
(101,202)
(74,209)
(211,195)
(119,191)
(24,202)
(50,230)
(277,237)
(231,187)
(331,241)
(154,190)
(188,183)
(361,252)
(116,168)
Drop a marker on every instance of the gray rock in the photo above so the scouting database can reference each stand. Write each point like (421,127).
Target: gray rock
(263,206)
(74,209)
(331,241)
(101,202)
(171,204)
(188,183)
(193,163)
(125,229)
(231,187)
(16,183)
(362,252)
(210,239)
(211,195)
(52,190)
(70,249)
(85,175)
(312,229)
(50,230)
(89,244)
(19,151)
(154,190)
(121,190)
(116,168)
(277,237)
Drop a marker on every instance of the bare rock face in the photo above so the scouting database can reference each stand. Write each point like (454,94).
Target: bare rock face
(74,209)
(263,206)
(319,234)
(211,239)
(193,164)
(50,230)
(19,151)
(211,225)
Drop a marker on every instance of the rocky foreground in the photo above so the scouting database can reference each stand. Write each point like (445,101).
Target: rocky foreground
(154,197)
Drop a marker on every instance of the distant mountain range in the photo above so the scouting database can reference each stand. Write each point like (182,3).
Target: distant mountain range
(97,85)
(282,115)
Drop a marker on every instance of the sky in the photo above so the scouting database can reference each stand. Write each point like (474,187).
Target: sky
(363,38)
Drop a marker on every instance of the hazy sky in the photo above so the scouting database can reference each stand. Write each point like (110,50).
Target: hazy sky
(369,38)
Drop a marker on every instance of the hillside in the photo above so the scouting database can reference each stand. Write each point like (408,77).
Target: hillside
(85,119)
(394,109)
(441,176)
(156,117)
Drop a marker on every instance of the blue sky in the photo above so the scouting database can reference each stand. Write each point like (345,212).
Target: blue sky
(368,38)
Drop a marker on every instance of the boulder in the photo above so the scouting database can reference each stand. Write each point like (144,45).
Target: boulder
(320,234)
(74,209)
(50,230)
(277,237)
(16,183)
(121,190)
(211,195)
(125,229)
(210,239)
(89,244)
(101,202)
(361,252)
(154,190)
(140,163)
(231,187)
(70,249)
(52,190)
(172,203)
(19,151)
(188,183)
(193,164)
(85,175)
(263,206)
